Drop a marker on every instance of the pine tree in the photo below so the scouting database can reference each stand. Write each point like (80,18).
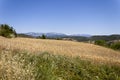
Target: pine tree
(43,36)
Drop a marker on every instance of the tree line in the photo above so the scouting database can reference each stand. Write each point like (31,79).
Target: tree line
(7,31)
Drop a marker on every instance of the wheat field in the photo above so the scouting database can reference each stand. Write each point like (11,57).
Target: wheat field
(60,47)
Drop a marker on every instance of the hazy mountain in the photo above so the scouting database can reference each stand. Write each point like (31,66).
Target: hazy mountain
(34,34)
(50,34)
(77,37)
(54,34)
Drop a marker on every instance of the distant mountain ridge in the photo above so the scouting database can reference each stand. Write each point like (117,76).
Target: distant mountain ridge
(54,34)
(50,34)
(77,37)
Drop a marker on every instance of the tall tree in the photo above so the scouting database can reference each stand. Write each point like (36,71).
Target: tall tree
(43,36)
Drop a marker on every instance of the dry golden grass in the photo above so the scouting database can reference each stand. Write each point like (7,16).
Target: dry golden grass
(11,67)
(69,48)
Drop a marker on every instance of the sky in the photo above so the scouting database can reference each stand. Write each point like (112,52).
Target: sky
(95,17)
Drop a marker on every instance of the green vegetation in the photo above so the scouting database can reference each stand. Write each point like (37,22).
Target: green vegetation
(78,38)
(100,42)
(105,37)
(42,37)
(24,36)
(94,38)
(116,46)
(16,65)
(58,38)
(7,31)
(112,45)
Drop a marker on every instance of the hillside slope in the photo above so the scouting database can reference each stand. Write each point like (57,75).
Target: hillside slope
(68,48)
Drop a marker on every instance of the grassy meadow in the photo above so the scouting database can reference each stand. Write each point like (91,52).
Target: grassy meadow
(37,59)
(67,48)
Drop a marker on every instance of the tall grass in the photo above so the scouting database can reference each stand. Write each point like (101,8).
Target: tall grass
(59,47)
(16,65)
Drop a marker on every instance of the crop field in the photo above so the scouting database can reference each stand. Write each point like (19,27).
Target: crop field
(67,48)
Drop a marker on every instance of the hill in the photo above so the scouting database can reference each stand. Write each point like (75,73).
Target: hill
(37,59)
(68,48)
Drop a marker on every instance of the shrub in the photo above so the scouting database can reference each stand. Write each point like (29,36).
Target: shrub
(116,46)
(7,31)
(100,42)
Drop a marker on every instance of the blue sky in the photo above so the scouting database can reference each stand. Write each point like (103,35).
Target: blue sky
(62,16)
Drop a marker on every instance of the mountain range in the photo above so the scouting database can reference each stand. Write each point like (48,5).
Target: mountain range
(54,34)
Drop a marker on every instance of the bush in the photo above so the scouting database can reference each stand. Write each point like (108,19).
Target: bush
(7,31)
(100,42)
(116,46)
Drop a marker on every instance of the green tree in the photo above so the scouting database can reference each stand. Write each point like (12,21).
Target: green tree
(7,31)
(43,36)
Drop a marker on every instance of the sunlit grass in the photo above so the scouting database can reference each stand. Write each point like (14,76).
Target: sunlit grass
(18,65)
(68,48)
